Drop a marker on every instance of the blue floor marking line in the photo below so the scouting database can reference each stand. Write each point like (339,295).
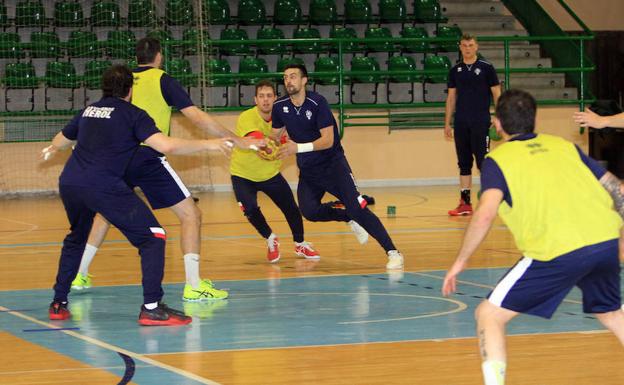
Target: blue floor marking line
(49,329)
(130,367)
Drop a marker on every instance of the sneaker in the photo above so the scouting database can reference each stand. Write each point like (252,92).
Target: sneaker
(463,209)
(305,250)
(360,233)
(273,254)
(162,315)
(59,311)
(205,291)
(395,260)
(81,282)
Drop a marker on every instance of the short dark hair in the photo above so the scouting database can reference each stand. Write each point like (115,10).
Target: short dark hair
(516,112)
(265,83)
(467,37)
(146,50)
(300,67)
(117,81)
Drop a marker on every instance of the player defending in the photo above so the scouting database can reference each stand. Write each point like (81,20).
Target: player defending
(534,182)
(108,133)
(323,167)
(252,173)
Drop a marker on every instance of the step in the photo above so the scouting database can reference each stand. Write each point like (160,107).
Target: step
(485,22)
(515,52)
(479,32)
(553,93)
(472,8)
(540,62)
(541,80)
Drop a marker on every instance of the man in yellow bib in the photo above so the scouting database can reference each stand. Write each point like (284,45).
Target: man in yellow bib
(156,92)
(534,182)
(251,174)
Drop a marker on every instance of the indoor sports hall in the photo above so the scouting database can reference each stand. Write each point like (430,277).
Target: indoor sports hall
(343,319)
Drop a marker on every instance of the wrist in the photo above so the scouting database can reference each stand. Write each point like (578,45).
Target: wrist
(305,147)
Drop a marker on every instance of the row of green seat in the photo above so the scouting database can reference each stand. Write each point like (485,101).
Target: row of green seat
(120,43)
(142,13)
(61,74)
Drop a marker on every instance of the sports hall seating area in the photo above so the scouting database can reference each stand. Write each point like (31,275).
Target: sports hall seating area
(52,53)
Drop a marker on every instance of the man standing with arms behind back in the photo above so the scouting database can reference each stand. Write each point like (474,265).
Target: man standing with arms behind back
(472,85)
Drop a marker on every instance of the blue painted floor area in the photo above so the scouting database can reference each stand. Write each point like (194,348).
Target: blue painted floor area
(274,313)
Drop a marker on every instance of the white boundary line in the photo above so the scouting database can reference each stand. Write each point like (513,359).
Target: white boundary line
(115,349)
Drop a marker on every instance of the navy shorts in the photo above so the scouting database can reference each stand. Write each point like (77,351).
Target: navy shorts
(537,288)
(150,171)
(471,140)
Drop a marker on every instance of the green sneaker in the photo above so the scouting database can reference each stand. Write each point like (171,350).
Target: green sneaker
(205,291)
(81,282)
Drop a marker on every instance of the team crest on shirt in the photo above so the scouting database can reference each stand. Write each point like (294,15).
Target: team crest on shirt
(285,109)
(459,69)
(477,71)
(308,114)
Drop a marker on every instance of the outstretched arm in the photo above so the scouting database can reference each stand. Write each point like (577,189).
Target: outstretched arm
(59,143)
(589,118)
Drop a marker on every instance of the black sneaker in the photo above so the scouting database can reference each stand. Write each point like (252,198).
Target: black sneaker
(162,315)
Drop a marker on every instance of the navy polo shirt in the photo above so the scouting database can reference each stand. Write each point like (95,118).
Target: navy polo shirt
(175,95)
(492,176)
(474,96)
(304,124)
(108,134)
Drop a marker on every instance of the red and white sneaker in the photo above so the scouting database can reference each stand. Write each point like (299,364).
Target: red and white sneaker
(59,311)
(305,250)
(462,209)
(273,254)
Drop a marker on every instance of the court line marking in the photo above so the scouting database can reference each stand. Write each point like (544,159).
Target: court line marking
(33,227)
(117,349)
(69,370)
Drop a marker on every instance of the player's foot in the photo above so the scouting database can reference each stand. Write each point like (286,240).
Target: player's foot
(395,260)
(360,233)
(81,282)
(305,250)
(162,315)
(273,253)
(462,209)
(205,291)
(59,311)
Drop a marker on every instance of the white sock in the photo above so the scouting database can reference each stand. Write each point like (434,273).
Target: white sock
(87,257)
(493,372)
(151,306)
(191,267)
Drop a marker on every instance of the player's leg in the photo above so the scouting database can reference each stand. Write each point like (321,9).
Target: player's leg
(246,193)
(96,238)
(480,142)
(80,218)
(132,217)
(310,191)
(463,148)
(279,192)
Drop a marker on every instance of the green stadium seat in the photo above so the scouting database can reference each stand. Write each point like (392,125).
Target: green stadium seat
(251,12)
(45,44)
(326,64)
(252,65)
(449,31)
(379,33)
(10,46)
(364,63)
(61,75)
(192,43)
(68,14)
(216,12)
(168,43)
(428,11)
(105,13)
(415,47)
(219,67)
(20,76)
(305,47)
(92,78)
(338,32)
(141,13)
(283,62)
(180,69)
(323,12)
(401,63)
(30,13)
(392,11)
(435,62)
(83,44)
(270,48)
(179,12)
(121,44)
(4,18)
(287,12)
(358,12)
(234,49)
(132,63)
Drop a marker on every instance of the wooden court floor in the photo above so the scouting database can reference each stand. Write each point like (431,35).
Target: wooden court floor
(306,298)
